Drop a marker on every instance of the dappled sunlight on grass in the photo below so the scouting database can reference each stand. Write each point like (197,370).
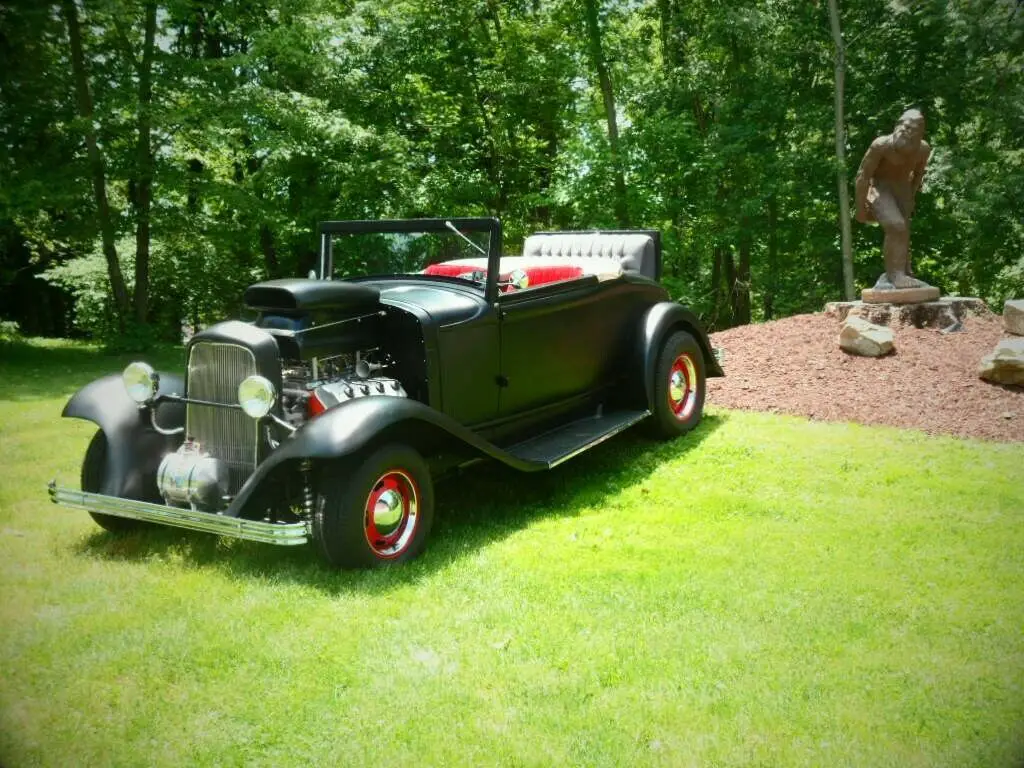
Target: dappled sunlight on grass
(765,591)
(474,510)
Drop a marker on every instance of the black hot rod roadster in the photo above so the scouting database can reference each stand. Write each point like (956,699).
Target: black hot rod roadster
(326,417)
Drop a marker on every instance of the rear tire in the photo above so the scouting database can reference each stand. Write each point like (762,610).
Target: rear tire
(679,387)
(374,511)
(94,467)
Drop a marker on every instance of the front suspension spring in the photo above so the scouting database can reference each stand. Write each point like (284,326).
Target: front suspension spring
(308,496)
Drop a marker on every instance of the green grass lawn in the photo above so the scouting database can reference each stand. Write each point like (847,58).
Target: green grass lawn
(766,591)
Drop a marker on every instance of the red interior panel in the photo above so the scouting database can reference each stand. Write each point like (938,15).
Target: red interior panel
(537,275)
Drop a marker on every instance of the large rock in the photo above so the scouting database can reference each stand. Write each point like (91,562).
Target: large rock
(946,313)
(860,337)
(1006,363)
(1013,316)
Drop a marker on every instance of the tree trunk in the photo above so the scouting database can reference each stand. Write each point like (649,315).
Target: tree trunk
(269,252)
(729,275)
(716,279)
(671,52)
(122,303)
(608,96)
(771,281)
(723,280)
(741,284)
(844,192)
(144,191)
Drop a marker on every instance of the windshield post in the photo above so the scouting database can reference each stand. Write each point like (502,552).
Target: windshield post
(494,246)
(326,266)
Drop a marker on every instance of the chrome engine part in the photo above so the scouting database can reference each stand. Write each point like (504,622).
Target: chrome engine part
(337,392)
(312,387)
(193,478)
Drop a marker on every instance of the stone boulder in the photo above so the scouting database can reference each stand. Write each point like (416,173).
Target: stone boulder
(860,337)
(1006,363)
(1013,316)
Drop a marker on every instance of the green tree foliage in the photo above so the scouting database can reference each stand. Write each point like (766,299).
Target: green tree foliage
(223,132)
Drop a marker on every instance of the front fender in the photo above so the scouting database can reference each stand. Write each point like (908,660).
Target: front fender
(134,448)
(346,429)
(659,321)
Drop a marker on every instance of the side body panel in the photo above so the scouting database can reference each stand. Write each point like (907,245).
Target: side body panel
(569,339)
(460,344)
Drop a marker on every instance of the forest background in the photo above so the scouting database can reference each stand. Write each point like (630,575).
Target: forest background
(157,157)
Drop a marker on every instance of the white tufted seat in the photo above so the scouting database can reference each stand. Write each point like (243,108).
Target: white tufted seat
(633,252)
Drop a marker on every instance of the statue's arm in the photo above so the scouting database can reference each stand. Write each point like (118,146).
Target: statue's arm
(922,162)
(868,166)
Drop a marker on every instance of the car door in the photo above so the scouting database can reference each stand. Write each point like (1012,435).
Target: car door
(469,367)
(559,340)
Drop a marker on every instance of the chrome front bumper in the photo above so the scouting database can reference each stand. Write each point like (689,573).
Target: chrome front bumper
(285,534)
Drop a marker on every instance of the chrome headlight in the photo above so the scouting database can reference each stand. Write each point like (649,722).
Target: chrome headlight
(256,395)
(141,382)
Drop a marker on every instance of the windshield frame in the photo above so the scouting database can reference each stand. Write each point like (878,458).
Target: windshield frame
(328,229)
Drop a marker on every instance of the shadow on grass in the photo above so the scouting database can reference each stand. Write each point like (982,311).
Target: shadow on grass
(478,507)
(40,370)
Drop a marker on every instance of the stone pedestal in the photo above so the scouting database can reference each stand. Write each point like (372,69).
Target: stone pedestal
(945,314)
(899,295)
(912,291)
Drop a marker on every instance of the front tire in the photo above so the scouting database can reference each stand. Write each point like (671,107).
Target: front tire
(94,467)
(374,511)
(679,387)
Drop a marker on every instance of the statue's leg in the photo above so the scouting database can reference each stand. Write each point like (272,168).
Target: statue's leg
(896,246)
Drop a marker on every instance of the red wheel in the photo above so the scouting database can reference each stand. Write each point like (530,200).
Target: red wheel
(392,514)
(375,510)
(682,390)
(678,386)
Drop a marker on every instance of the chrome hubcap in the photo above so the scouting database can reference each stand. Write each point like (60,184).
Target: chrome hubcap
(387,512)
(682,391)
(391,514)
(677,387)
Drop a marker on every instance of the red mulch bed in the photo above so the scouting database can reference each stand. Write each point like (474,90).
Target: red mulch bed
(931,383)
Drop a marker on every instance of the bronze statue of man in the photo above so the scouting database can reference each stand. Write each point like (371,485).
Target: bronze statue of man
(888,180)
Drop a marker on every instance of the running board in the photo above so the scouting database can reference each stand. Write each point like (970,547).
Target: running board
(552,448)
(286,534)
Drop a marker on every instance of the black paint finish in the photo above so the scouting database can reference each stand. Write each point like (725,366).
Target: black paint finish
(309,295)
(484,370)
(658,322)
(134,448)
(262,344)
(350,427)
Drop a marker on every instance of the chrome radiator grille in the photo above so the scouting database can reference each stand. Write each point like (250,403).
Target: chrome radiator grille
(214,373)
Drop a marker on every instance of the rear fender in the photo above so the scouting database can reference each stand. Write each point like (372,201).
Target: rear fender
(658,323)
(134,448)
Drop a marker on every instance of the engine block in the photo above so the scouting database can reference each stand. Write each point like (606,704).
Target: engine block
(341,391)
